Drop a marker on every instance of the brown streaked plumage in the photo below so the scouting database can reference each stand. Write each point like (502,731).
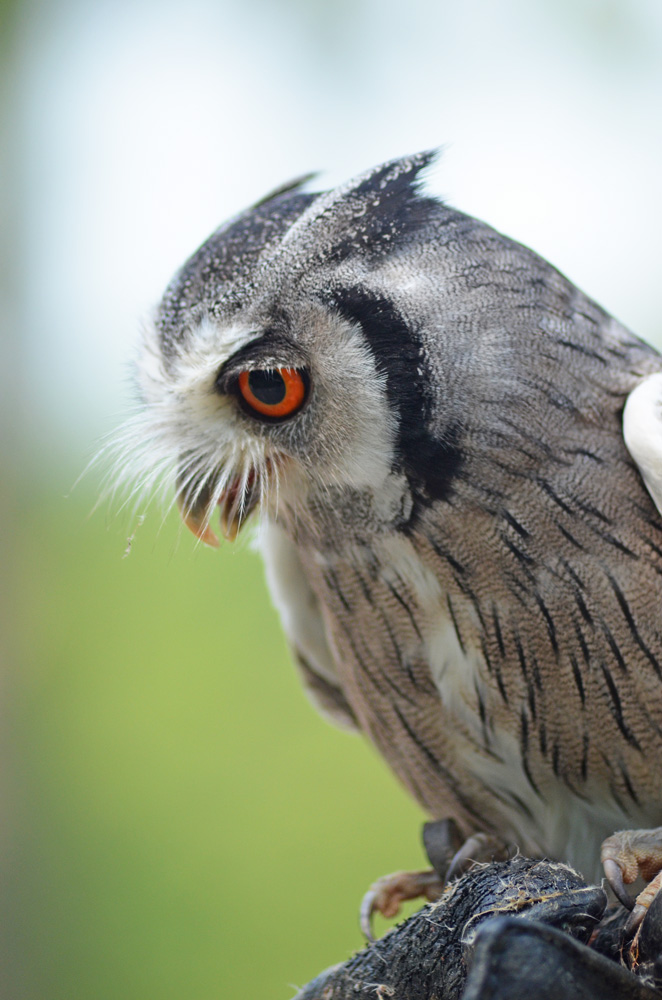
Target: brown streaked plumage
(466,559)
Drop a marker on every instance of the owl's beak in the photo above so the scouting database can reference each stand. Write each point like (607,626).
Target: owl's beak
(233,513)
(196,519)
(196,507)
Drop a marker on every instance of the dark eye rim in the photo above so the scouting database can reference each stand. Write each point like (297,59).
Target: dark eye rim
(234,390)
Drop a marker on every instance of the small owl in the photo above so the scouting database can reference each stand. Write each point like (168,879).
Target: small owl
(458,523)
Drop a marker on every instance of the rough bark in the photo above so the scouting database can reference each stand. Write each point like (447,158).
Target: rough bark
(503,931)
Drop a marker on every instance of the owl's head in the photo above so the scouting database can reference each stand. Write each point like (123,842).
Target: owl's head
(294,362)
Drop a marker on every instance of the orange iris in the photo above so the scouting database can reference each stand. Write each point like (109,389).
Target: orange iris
(276,392)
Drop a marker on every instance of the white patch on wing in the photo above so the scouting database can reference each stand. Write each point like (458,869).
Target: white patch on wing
(401,560)
(642,431)
(454,671)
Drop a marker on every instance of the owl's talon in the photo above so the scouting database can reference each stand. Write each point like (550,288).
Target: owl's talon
(626,856)
(481,847)
(386,895)
(368,906)
(642,903)
(634,920)
(614,876)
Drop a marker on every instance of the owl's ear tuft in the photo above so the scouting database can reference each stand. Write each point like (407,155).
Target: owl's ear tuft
(394,179)
(371,215)
(395,208)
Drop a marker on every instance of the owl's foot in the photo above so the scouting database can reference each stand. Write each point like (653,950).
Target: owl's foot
(450,857)
(625,856)
(387,894)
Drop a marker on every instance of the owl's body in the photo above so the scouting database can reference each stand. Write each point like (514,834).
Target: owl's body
(465,558)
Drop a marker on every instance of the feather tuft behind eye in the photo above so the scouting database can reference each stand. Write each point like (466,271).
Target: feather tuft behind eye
(273,393)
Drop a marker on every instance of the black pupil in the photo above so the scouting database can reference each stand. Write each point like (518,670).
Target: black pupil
(268,387)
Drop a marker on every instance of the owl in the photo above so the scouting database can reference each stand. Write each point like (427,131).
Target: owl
(454,458)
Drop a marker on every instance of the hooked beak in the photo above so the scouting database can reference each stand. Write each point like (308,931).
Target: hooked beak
(196,519)
(234,509)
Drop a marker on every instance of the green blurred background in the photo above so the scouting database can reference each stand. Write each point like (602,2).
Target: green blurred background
(188,826)
(177,821)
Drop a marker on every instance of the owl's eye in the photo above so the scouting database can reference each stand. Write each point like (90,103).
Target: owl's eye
(273,392)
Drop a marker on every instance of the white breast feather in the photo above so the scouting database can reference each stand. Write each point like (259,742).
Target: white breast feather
(295,601)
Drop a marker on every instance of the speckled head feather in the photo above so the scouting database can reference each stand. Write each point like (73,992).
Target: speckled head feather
(288,229)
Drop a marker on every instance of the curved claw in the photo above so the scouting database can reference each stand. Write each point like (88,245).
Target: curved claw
(368,907)
(643,902)
(387,894)
(634,920)
(614,875)
(480,847)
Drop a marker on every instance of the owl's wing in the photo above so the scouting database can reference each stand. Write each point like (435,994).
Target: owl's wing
(303,624)
(642,431)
